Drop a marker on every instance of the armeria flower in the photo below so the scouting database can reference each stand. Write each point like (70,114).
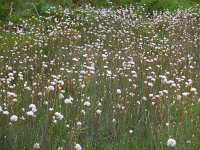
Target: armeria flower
(119,91)
(59,116)
(98,112)
(33,108)
(50,109)
(14,100)
(60,148)
(171,143)
(144,98)
(167,124)
(13,118)
(179,97)
(150,84)
(46,103)
(39,93)
(79,123)
(185,93)
(61,82)
(78,147)
(87,103)
(193,89)
(36,146)
(50,88)
(5,112)
(68,101)
(22,118)
(75,59)
(61,96)
(82,85)
(130,131)
(83,112)
(30,113)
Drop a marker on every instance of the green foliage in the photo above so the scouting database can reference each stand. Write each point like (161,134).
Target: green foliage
(16,9)
(124,2)
(161,5)
(4,9)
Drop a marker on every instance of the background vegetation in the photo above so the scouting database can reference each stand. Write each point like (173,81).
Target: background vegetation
(16,9)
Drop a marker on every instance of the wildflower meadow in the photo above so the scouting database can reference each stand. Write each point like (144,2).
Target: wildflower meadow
(101,79)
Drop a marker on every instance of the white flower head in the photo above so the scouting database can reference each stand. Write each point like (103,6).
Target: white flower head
(78,147)
(179,97)
(130,131)
(34,110)
(39,93)
(83,112)
(6,112)
(61,96)
(59,116)
(98,112)
(185,93)
(119,91)
(171,143)
(68,101)
(50,88)
(87,103)
(79,123)
(60,148)
(193,89)
(50,109)
(30,113)
(36,146)
(13,118)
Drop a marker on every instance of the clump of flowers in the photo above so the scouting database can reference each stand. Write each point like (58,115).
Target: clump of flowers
(78,147)
(13,118)
(36,146)
(171,143)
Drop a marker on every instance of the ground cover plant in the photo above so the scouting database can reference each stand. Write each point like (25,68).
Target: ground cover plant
(101,79)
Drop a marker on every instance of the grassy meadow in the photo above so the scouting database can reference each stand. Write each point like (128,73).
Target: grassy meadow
(101,79)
